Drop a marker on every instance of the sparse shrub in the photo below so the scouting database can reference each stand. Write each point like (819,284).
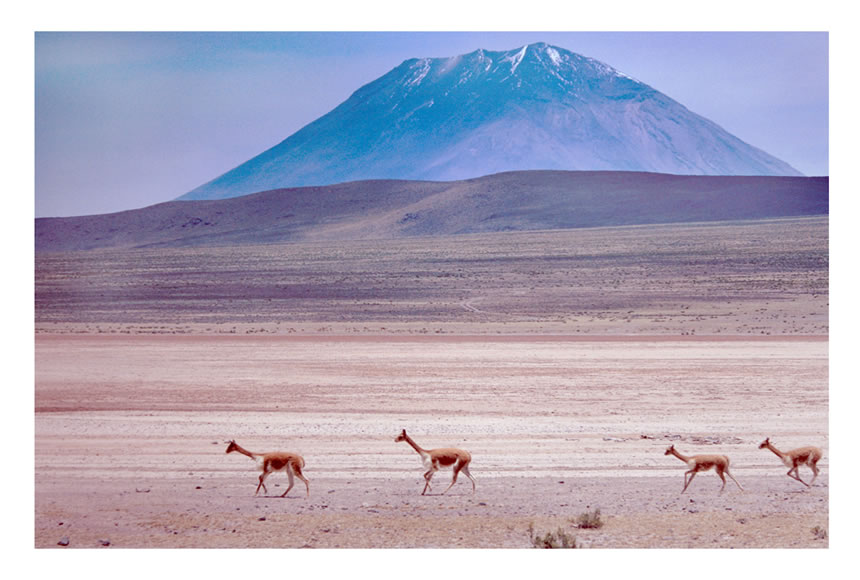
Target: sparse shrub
(557,539)
(819,533)
(589,520)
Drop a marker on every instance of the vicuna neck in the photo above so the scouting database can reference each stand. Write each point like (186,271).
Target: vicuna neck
(778,453)
(678,454)
(414,445)
(242,450)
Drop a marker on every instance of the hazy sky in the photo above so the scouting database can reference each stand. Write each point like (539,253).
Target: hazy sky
(126,120)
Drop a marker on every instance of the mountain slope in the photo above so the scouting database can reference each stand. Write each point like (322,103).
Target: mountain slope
(537,107)
(513,201)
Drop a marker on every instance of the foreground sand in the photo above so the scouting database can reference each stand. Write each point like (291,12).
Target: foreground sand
(131,432)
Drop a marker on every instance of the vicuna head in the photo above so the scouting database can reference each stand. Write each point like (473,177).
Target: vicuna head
(764,443)
(231,446)
(401,437)
(670,449)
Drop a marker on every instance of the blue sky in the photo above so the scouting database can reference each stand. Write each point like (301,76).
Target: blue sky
(126,120)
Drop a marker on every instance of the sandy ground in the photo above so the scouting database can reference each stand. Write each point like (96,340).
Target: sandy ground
(565,362)
(131,432)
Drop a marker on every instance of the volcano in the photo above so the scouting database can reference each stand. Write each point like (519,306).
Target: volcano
(535,107)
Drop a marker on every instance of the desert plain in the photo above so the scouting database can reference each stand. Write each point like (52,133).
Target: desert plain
(565,362)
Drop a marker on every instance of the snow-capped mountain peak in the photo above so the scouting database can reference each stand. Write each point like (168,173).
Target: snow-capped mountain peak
(533,107)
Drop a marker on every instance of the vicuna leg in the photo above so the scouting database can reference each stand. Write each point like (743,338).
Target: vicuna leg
(289,471)
(427,477)
(691,474)
(464,467)
(723,477)
(794,473)
(298,471)
(469,475)
(733,479)
(456,472)
(294,470)
(261,484)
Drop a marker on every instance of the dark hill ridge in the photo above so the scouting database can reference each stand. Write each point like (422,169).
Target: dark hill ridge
(386,209)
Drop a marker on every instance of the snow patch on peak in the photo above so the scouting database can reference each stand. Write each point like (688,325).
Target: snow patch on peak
(599,66)
(516,59)
(482,58)
(626,76)
(553,55)
(607,70)
(421,68)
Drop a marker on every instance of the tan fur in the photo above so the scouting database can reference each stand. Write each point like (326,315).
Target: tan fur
(793,459)
(434,459)
(268,463)
(697,463)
